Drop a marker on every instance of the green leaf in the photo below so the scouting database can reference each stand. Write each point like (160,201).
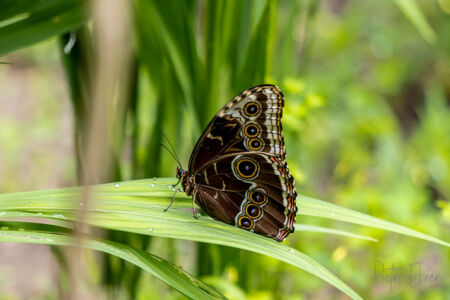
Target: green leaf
(137,206)
(54,235)
(260,48)
(26,22)
(312,228)
(415,15)
(318,208)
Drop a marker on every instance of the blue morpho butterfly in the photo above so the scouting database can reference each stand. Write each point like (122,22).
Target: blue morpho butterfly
(237,172)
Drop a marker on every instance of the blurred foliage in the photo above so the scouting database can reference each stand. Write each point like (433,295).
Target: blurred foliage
(366,123)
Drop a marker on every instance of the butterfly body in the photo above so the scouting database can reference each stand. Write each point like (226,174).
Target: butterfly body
(237,172)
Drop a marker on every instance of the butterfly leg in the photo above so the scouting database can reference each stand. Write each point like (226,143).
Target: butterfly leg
(193,203)
(179,179)
(173,199)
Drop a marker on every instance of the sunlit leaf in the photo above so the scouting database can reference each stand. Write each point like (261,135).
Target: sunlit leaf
(318,208)
(137,206)
(313,228)
(53,235)
(26,22)
(415,15)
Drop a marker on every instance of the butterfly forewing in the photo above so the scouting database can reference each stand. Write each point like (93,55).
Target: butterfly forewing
(249,122)
(238,166)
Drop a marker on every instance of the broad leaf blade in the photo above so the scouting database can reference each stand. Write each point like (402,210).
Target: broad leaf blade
(313,228)
(318,208)
(164,270)
(415,15)
(29,22)
(137,206)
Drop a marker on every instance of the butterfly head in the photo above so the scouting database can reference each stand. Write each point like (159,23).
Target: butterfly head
(184,179)
(180,173)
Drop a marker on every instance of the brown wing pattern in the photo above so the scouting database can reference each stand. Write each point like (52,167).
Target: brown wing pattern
(253,191)
(238,166)
(249,122)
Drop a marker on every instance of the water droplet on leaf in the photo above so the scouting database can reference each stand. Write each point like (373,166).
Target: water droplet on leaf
(58,216)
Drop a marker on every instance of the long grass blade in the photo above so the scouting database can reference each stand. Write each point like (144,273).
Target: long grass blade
(53,235)
(313,228)
(412,11)
(23,23)
(137,206)
(318,208)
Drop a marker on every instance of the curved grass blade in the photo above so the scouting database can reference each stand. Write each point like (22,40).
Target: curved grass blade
(312,228)
(155,193)
(415,15)
(229,289)
(24,23)
(137,206)
(174,276)
(318,208)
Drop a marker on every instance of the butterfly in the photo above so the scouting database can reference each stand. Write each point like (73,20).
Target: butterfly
(238,173)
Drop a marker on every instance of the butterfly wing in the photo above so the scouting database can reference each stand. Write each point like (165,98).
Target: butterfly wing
(254,191)
(245,135)
(249,122)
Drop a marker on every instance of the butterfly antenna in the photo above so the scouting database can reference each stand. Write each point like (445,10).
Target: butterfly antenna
(173,152)
(173,155)
(170,152)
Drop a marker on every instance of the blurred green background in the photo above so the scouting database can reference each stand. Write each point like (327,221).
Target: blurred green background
(366,125)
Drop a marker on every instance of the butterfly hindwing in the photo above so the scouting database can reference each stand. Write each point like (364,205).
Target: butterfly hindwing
(254,191)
